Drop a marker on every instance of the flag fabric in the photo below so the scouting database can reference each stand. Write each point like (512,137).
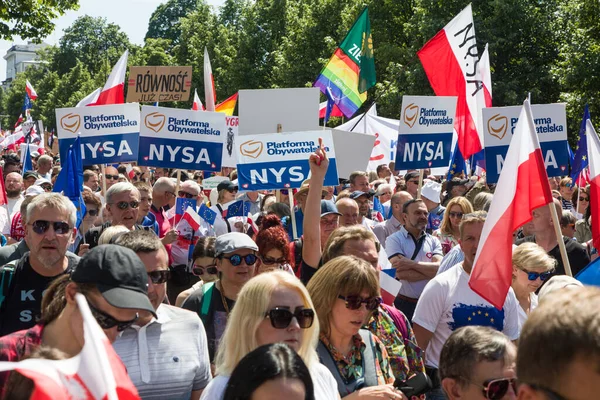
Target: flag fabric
(70,179)
(594,164)
(3,197)
(19,120)
(96,372)
(12,141)
(197,105)
(580,159)
(350,71)
(27,106)
(27,164)
(590,275)
(335,112)
(525,187)
(90,99)
(457,163)
(390,287)
(207,214)
(238,209)
(330,104)
(181,204)
(486,75)
(30,91)
(378,211)
(210,95)
(114,88)
(450,61)
(130,171)
(584,178)
(228,105)
(192,218)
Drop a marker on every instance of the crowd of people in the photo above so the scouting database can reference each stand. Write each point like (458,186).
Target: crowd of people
(286,302)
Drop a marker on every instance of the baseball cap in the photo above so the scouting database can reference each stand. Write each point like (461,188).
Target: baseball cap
(230,242)
(30,174)
(432,190)
(328,207)
(411,175)
(41,181)
(226,185)
(34,190)
(119,275)
(357,193)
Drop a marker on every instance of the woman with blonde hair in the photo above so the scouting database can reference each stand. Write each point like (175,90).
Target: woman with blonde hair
(448,234)
(272,307)
(345,292)
(532,266)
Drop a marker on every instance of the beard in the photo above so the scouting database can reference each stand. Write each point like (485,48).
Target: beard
(12,193)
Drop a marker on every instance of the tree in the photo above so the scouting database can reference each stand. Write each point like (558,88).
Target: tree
(31,19)
(165,20)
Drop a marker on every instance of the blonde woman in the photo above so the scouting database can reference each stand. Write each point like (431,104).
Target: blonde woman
(345,292)
(272,307)
(532,266)
(448,234)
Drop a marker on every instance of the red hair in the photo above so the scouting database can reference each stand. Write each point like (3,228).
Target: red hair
(272,235)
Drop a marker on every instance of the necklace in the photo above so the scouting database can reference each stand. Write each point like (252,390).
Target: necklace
(225,306)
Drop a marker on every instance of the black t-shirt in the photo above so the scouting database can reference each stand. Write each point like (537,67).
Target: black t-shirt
(216,319)
(576,253)
(22,306)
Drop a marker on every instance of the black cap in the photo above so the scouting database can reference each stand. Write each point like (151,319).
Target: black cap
(410,175)
(226,185)
(119,275)
(328,207)
(357,193)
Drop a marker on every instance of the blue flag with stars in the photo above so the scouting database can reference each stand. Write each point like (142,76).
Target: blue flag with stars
(580,161)
(457,163)
(476,315)
(207,214)
(26,104)
(70,180)
(238,209)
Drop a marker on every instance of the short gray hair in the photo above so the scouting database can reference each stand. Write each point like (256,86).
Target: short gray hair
(52,200)
(44,159)
(140,241)
(191,185)
(482,201)
(383,187)
(118,188)
(163,184)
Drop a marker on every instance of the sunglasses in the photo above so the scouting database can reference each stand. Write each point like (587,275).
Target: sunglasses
(354,302)
(124,205)
(532,276)
(93,212)
(111,177)
(108,321)
(171,193)
(60,228)
(455,214)
(495,389)
(271,261)
(47,187)
(236,259)
(199,269)
(281,318)
(187,195)
(232,190)
(160,276)
(584,199)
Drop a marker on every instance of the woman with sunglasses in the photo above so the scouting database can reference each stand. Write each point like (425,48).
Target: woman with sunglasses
(532,266)
(345,292)
(204,266)
(273,308)
(227,192)
(92,210)
(448,234)
(582,197)
(273,249)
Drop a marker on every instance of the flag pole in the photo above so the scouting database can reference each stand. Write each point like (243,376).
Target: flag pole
(178,182)
(291,196)
(103,170)
(420,184)
(559,238)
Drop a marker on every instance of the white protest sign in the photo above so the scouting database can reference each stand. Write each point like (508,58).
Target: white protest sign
(229,149)
(109,134)
(551,126)
(353,150)
(178,138)
(213,182)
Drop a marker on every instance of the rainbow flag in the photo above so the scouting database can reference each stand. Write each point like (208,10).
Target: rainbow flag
(350,72)
(228,105)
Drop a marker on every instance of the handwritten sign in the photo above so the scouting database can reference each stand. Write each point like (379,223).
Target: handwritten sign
(162,84)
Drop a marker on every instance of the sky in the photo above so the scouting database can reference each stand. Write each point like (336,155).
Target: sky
(131,15)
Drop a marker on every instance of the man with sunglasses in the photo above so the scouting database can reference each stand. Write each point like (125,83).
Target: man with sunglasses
(167,353)
(163,194)
(112,176)
(237,262)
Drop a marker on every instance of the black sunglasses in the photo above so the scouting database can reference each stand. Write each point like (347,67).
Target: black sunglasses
(93,213)
(124,205)
(236,259)
(47,187)
(281,318)
(354,302)
(108,321)
(187,195)
(271,261)
(495,389)
(232,190)
(199,269)
(60,228)
(111,177)
(159,276)
(584,199)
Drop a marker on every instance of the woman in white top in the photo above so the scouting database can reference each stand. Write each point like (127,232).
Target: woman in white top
(532,266)
(272,307)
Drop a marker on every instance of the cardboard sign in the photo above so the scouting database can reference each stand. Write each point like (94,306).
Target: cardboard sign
(229,149)
(162,84)
(261,111)
(425,132)
(280,160)
(109,134)
(551,126)
(353,151)
(185,139)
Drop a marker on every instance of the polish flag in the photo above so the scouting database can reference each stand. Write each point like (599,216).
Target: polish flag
(114,88)
(19,120)
(197,106)
(390,287)
(90,99)
(451,61)
(210,95)
(594,166)
(525,187)
(335,112)
(130,171)
(486,76)
(30,91)
(584,177)
(12,141)
(3,198)
(95,373)
(192,218)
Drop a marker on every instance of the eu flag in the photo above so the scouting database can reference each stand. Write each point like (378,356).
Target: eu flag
(378,207)
(457,163)
(207,214)
(238,209)
(330,104)
(70,179)
(27,164)
(26,104)
(590,275)
(581,161)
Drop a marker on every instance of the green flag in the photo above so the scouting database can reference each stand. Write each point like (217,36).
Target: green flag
(358,44)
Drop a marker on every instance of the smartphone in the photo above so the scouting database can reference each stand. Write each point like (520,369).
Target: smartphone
(417,385)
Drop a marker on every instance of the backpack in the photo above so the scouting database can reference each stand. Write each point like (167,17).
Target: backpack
(7,273)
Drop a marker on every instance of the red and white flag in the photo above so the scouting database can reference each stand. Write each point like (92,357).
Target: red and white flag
(450,60)
(525,187)
(210,95)
(114,88)
(90,99)
(335,111)
(95,373)
(390,287)
(19,120)
(197,105)
(486,76)
(593,147)
(192,218)
(3,197)
(130,171)
(30,91)
(12,141)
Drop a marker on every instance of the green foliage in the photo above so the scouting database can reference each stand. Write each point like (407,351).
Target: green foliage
(31,19)
(165,20)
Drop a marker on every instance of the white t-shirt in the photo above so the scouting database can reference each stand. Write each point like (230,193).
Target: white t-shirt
(448,303)
(522,314)
(323,382)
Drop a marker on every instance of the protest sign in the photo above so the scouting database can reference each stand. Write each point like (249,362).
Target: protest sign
(178,138)
(353,149)
(425,132)
(162,84)
(109,134)
(280,161)
(229,149)
(551,127)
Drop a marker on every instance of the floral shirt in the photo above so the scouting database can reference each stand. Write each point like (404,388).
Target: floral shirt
(350,365)
(447,241)
(405,357)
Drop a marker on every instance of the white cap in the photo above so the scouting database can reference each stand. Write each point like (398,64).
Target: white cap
(34,190)
(39,181)
(432,190)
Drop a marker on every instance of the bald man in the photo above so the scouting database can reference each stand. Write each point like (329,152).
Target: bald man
(392,225)
(112,176)
(349,210)
(14,187)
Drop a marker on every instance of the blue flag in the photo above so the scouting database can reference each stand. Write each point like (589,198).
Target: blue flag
(478,159)
(378,207)
(330,104)
(580,161)
(590,275)
(207,214)
(27,164)
(238,209)
(457,163)
(70,180)
(26,103)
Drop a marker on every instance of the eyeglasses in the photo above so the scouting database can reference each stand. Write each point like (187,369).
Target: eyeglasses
(532,276)
(495,389)
(271,261)
(187,195)
(160,276)
(60,228)
(552,395)
(108,321)
(453,214)
(111,177)
(354,302)
(584,199)
(236,259)
(124,205)
(47,187)
(232,190)
(281,318)
(170,194)
(199,269)
(92,212)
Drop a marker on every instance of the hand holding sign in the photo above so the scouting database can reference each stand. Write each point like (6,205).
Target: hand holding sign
(319,162)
